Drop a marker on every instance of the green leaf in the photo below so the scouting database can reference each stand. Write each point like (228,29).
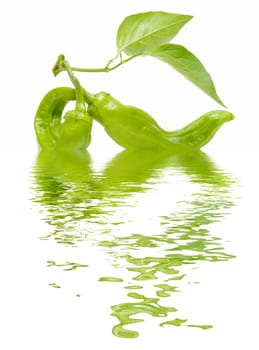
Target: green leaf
(189,66)
(143,32)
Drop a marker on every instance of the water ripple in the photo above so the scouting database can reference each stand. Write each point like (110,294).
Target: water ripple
(150,213)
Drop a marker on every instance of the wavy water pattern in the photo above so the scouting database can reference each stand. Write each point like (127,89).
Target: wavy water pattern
(150,213)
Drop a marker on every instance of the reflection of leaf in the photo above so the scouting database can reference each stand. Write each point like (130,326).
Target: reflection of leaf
(142,32)
(182,60)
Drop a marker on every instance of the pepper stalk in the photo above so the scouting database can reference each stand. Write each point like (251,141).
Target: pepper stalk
(82,95)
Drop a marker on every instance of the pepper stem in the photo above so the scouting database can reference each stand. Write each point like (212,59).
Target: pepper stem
(82,95)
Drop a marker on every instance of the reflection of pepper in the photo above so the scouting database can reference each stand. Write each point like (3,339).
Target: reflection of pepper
(78,204)
(133,128)
(131,169)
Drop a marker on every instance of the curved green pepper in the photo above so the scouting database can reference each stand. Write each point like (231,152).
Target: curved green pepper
(132,128)
(74,133)
(199,132)
(49,113)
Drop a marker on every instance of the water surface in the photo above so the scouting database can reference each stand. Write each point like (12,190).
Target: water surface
(150,218)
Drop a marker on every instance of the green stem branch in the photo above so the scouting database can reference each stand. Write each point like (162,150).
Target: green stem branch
(81,94)
(105,69)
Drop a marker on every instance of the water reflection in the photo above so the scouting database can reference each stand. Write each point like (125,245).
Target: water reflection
(62,184)
(151,213)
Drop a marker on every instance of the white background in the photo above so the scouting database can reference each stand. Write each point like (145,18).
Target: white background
(224,36)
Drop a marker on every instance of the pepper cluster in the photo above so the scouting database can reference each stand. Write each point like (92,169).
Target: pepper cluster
(128,126)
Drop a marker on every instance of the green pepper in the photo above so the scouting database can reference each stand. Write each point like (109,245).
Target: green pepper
(199,132)
(49,113)
(74,132)
(132,128)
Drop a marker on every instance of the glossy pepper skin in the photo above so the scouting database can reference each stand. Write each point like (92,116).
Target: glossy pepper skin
(49,113)
(199,132)
(133,128)
(74,132)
